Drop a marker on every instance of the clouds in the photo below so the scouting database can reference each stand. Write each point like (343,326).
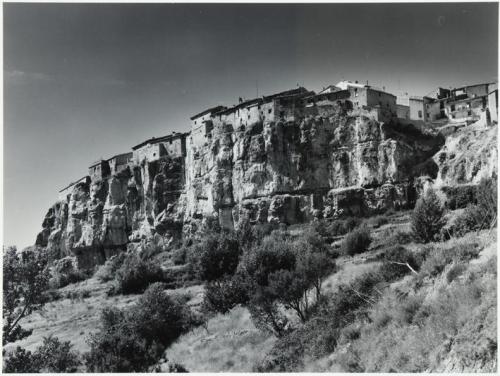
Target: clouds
(21,77)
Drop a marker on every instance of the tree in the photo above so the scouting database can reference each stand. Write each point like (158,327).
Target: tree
(427,218)
(25,278)
(134,339)
(218,256)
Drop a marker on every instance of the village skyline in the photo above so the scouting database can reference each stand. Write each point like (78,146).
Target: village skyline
(89,81)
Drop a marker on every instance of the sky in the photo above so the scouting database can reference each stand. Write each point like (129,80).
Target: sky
(84,81)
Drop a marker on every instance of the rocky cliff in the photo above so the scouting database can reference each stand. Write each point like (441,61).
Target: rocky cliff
(327,162)
(469,154)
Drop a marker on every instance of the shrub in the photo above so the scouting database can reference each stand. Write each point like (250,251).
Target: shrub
(57,356)
(218,256)
(20,361)
(438,258)
(25,279)
(397,262)
(179,257)
(337,227)
(356,242)
(52,356)
(135,275)
(428,217)
(65,273)
(459,197)
(133,340)
(222,296)
(455,271)
(377,221)
(487,200)
(400,237)
(107,272)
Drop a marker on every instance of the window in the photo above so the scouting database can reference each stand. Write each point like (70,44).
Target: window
(355,92)
(269,111)
(453,107)
(154,154)
(419,113)
(195,121)
(248,116)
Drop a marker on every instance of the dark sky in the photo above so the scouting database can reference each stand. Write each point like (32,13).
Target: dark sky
(83,81)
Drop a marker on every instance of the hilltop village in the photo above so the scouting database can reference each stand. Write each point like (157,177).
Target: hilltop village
(459,106)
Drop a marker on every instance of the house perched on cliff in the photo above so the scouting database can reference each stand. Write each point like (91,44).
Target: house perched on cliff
(173,145)
(99,170)
(119,162)
(493,103)
(201,125)
(63,193)
(360,96)
(467,103)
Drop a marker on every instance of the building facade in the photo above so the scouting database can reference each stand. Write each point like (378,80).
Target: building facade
(99,170)
(68,190)
(173,145)
(119,162)
(202,125)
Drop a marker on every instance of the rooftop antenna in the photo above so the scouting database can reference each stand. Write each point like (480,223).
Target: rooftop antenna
(257,87)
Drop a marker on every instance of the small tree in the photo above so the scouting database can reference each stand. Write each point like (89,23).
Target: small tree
(133,339)
(357,241)
(218,256)
(428,217)
(25,278)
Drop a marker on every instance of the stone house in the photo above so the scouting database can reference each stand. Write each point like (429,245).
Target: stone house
(402,111)
(202,124)
(66,191)
(493,103)
(99,170)
(173,145)
(119,162)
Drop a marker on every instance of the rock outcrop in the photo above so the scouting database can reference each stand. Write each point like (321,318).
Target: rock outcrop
(468,155)
(327,162)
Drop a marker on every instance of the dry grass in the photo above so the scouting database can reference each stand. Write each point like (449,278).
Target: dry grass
(74,319)
(229,343)
(432,328)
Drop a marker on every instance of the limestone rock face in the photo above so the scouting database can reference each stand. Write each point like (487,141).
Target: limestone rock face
(468,155)
(326,163)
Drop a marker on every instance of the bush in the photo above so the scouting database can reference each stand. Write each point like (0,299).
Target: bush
(218,256)
(133,340)
(397,262)
(438,258)
(107,272)
(52,356)
(337,227)
(356,242)
(487,201)
(459,197)
(428,217)
(377,221)
(179,257)
(222,296)
(135,275)
(65,273)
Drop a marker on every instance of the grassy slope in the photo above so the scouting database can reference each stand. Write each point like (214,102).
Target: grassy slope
(74,319)
(457,333)
(229,343)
